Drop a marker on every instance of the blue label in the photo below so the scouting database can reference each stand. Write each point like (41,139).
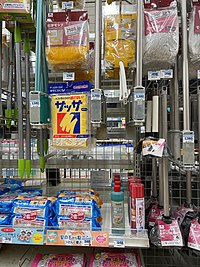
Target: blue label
(69,87)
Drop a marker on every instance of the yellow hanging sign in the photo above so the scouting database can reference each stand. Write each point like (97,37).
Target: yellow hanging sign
(69,121)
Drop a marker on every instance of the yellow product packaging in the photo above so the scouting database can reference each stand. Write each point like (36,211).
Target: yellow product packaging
(70,122)
(120,36)
(67,40)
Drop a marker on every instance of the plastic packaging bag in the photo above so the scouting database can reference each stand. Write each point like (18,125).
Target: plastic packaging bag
(77,204)
(161,41)
(61,260)
(194,237)
(78,4)
(166,233)
(67,40)
(29,221)
(194,35)
(120,36)
(115,259)
(76,222)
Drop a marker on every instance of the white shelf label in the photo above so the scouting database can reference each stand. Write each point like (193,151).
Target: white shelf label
(35,103)
(188,137)
(119,243)
(153,75)
(198,74)
(166,74)
(68,76)
(68,5)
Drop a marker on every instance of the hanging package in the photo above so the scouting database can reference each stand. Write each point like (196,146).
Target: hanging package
(166,233)
(194,234)
(120,36)
(71,4)
(67,40)
(194,35)
(161,41)
(16,10)
(71,121)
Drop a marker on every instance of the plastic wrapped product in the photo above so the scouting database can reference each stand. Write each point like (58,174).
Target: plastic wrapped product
(61,260)
(76,222)
(113,259)
(67,40)
(166,233)
(120,36)
(91,193)
(29,220)
(194,237)
(3,189)
(77,4)
(194,35)
(34,202)
(6,203)
(12,184)
(25,210)
(4,219)
(184,216)
(161,41)
(70,205)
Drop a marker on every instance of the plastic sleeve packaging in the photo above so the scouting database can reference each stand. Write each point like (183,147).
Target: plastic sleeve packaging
(77,204)
(62,260)
(67,36)
(77,4)
(194,35)
(115,259)
(87,224)
(161,40)
(71,127)
(120,36)
(29,221)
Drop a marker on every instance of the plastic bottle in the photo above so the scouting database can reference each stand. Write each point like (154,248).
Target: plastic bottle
(117,211)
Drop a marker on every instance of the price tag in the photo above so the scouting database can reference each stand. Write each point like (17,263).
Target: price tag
(68,76)
(119,243)
(95,95)
(35,103)
(68,5)
(188,137)
(153,75)
(198,74)
(166,74)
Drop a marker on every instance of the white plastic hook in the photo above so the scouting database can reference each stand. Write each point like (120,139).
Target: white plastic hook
(123,84)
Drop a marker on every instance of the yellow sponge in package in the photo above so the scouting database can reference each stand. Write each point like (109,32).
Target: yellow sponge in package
(120,35)
(67,40)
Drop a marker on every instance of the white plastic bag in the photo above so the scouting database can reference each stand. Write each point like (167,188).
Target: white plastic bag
(194,35)
(161,41)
